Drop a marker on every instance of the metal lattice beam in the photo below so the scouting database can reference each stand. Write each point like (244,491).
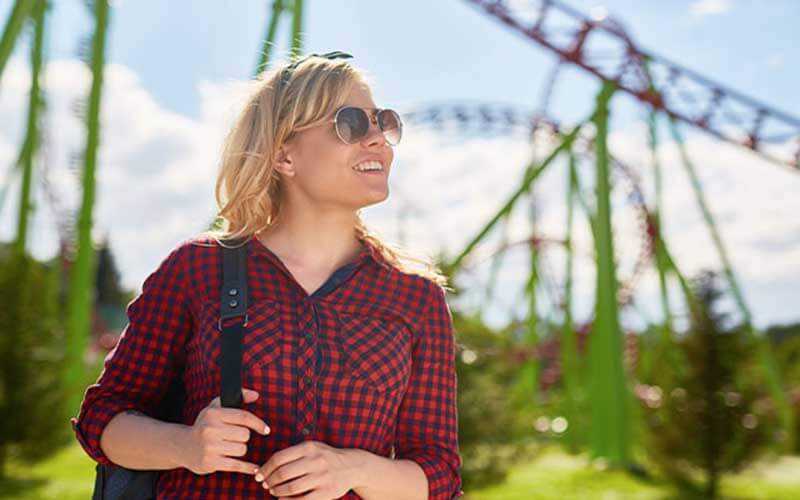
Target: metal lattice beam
(602,47)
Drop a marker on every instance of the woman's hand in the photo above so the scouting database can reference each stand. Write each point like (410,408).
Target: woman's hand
(326,471)
(220,433)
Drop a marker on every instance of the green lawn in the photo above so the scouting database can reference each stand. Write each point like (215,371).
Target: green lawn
(69,475)
(556,475)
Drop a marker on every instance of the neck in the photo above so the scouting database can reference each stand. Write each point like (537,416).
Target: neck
(313,240)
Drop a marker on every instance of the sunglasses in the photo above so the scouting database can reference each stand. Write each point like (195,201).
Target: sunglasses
(352,124)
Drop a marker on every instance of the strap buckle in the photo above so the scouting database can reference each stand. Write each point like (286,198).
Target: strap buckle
(219,322)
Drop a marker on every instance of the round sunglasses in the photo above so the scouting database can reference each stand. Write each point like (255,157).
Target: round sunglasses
(352,124)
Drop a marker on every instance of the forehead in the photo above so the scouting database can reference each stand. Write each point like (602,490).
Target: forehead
(360,95)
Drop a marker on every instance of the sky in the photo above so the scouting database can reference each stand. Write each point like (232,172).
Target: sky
(177,74)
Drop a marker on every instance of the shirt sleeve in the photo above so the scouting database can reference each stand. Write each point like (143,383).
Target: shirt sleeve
(139,370)
(427,427)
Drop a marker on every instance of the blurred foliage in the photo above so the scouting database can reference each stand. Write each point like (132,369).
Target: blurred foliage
(786,345)
(492,435)
(713,414)
(32,399)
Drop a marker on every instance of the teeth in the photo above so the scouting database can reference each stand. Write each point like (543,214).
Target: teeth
(368,165)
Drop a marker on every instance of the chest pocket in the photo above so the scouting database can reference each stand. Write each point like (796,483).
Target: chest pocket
(376,350)
(261,337)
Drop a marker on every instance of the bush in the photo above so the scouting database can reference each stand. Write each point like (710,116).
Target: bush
(492,433)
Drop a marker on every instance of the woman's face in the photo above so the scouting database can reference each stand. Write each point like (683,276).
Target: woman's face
(318,166)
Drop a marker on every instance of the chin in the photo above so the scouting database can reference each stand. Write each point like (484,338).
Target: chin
(372,200)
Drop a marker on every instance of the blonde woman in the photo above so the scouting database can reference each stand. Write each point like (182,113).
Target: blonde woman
(349,383)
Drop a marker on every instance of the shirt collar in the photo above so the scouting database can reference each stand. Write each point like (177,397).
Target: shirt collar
(368,251)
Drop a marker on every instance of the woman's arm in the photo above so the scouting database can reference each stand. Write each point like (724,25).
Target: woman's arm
(138,372)
(382,478)
(136,441)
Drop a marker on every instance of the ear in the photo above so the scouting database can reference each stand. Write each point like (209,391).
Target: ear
(283,161)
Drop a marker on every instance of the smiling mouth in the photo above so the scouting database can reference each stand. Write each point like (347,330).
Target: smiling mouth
(369,167)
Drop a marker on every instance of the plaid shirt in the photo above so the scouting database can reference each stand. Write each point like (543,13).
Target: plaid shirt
(366,361)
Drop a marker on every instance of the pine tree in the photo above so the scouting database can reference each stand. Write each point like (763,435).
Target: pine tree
(107,278)
(709,416)
(32,406)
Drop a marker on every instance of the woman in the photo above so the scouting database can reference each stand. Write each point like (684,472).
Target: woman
(349,382)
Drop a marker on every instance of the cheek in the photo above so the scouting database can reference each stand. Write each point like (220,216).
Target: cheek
(330,167)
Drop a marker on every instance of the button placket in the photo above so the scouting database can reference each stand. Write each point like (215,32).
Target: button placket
(307,360)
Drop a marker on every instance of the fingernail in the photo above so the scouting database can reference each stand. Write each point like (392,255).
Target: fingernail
(259,477)
(266,429)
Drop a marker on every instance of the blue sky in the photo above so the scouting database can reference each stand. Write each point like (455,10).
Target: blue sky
(172,83)
(745,44)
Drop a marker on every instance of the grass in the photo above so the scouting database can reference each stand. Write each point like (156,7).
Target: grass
(69,475)
(557,475)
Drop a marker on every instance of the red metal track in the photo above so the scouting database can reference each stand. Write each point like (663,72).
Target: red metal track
(602,48)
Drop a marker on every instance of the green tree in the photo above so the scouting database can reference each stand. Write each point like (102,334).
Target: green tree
(107,279)
(32,411)
(712,416)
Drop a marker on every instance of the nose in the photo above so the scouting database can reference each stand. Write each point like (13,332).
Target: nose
(374,135)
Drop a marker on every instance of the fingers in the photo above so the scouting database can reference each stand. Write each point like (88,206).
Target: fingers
(248,396)
(231,449)
(236,434)
(245,419)
(234,465)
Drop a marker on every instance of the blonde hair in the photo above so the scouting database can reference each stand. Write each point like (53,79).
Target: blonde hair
(248,188)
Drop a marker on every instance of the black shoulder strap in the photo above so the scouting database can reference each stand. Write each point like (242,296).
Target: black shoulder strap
(233,302)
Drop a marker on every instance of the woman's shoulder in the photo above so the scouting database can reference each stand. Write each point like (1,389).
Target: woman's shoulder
(187,253)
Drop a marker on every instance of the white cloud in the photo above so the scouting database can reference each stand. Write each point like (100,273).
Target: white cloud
(701,8)
(157,169)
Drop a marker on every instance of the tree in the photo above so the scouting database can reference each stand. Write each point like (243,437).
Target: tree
(107,279)
(32,406)
(712,415)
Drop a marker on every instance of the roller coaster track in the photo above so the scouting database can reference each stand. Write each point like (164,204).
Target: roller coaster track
(602,47)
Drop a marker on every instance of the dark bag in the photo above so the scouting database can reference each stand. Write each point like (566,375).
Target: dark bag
(118,483)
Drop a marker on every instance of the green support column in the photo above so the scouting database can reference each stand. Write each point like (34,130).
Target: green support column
(263,57)
(31,143)
(609,392)
(569,347)
(81,280)
(297,28)
(16,20)
(529,372)
(532,172)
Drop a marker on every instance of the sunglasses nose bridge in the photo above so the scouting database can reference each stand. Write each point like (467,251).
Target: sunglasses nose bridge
(376,130)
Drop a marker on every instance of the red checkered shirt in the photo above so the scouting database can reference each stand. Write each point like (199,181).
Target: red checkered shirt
(366,361)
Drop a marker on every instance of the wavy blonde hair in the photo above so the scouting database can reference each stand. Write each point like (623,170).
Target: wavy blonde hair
(248,188)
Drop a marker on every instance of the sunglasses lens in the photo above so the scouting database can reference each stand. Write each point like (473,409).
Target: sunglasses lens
(389,122)
(352,124)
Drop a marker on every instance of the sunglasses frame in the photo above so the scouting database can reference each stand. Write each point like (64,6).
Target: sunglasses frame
(372,119)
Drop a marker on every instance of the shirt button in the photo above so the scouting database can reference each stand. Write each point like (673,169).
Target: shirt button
(306,380)
(309,337)
(306,431)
